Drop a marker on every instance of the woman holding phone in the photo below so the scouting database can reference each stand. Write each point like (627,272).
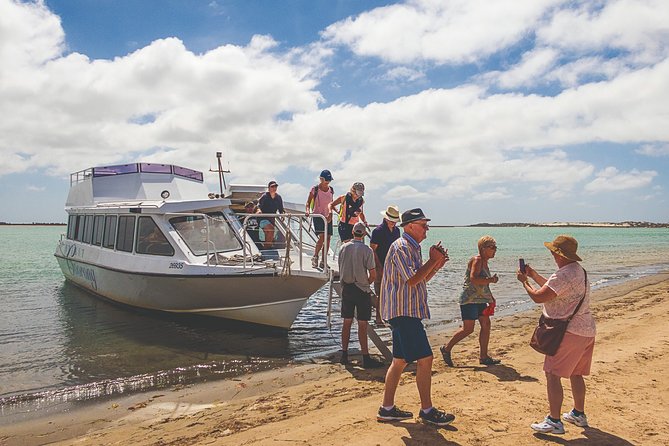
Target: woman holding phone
(561,294)
(476,302)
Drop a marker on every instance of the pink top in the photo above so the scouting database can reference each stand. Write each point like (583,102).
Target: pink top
(321,201)
(568,283)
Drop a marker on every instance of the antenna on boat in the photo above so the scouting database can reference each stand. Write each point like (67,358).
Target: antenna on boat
(221,173)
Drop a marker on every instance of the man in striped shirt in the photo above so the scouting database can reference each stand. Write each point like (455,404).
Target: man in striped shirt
(404,305)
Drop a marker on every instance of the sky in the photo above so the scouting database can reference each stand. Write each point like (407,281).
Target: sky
(474,111)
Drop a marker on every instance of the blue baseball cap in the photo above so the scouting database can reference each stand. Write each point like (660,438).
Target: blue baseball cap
(326,175)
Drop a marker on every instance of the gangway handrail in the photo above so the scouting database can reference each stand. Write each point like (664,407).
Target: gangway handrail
(285,220)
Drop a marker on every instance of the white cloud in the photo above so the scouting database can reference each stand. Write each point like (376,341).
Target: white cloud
(32,188)
(532,67)
(406,192)
(654,150)
(262,108)
(456,31)
(403,74)
(629,25)
(611,179)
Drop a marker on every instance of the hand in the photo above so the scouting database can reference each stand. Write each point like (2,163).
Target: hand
(307,212)
(521,277)
(529,271)
(494,279)
(438,253)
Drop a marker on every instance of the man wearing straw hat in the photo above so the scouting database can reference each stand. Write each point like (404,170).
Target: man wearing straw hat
(382,237)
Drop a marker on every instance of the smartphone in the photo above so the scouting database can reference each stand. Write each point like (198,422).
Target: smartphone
(521,265)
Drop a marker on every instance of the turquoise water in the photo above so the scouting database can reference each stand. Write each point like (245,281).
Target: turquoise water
(59,344)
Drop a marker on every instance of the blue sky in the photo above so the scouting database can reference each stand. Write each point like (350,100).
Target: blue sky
(476,111)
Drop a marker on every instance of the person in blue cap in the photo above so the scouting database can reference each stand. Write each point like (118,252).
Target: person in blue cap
(317,204)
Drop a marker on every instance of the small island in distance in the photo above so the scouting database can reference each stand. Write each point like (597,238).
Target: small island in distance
(622,224)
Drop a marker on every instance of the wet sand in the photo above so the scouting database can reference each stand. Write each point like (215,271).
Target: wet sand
(324,403)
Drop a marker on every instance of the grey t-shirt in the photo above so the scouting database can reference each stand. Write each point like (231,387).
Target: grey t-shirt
(355,259)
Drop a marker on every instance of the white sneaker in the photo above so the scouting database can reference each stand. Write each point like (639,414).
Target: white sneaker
(548,427)
(578,420)
(314,262)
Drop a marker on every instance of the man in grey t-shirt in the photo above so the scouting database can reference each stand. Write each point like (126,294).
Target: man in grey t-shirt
(357,272)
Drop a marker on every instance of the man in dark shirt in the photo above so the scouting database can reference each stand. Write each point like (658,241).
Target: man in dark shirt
(382,237)
(270,203)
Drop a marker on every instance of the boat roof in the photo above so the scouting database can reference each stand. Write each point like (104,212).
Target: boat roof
(130,183)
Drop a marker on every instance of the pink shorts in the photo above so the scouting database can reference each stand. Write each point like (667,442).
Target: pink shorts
(572,358)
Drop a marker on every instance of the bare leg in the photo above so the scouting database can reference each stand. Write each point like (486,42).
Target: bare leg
(393,376)
(424,381)
(346,333)
(578,392)
(362,337)
(555,394)
(464,331)
(319,245)
(484,336)
(268,230)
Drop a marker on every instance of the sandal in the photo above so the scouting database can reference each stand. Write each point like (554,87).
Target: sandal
(489,361)
(447,356)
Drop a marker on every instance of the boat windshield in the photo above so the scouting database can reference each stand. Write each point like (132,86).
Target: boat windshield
(193,230)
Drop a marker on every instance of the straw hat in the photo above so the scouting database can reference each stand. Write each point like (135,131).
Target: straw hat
(565,246)
(392,213)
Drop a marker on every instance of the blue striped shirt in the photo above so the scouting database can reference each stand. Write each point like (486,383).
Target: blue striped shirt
(397,298)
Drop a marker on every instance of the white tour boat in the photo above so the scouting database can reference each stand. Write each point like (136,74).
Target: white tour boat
(152,236)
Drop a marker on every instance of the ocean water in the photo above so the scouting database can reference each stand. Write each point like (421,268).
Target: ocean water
(60,345)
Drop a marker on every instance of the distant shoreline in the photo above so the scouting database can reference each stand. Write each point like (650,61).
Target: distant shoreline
(624,224)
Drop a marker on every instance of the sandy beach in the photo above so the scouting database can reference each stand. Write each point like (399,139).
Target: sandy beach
(323,403)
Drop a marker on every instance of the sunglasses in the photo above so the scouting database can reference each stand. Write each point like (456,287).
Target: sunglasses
(423,225)
(274,186)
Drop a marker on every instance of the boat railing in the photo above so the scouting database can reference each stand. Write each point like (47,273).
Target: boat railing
(297,231)
(81,176)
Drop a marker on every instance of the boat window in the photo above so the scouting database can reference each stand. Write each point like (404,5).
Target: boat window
(188,173)
(193,230)
(71,226)
(125,233)
(98,227)
(121,169)
(155,168)
(88,230)
(109,237)
(79,231)
(151,240)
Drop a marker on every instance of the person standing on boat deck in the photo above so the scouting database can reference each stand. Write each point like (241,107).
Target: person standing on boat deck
(357,272)
(350,210)
(474,299)
(403,305)
(317,203)
(382,237)
(270,203)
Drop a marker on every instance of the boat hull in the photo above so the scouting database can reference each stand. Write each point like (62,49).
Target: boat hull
(260,298)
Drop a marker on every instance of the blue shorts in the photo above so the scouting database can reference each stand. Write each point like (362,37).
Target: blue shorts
(409,339)
(471,312)
(319,226)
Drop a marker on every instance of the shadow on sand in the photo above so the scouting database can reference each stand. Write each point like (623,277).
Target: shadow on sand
(593,436)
